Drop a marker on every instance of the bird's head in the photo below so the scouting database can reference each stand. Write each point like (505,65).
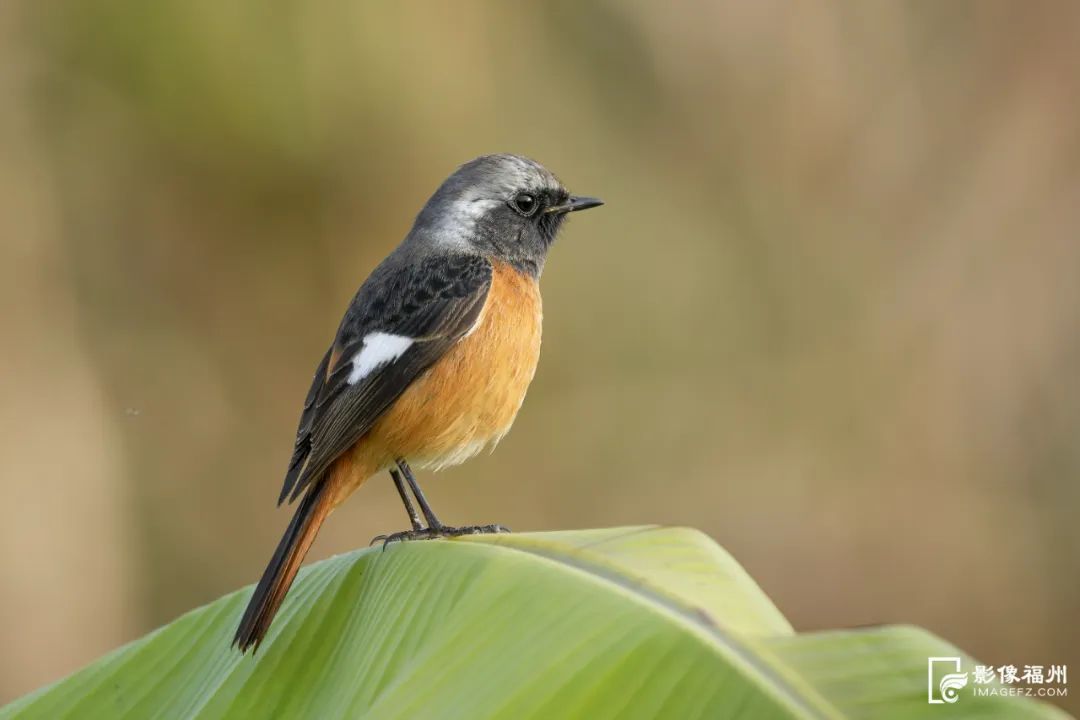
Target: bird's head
(505,207)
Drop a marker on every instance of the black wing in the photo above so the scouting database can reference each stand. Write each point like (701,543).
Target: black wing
(434,302)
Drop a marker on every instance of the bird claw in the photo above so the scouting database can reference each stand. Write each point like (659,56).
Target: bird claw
(439,532)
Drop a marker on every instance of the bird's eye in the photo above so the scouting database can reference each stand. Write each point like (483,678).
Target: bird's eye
(525,203)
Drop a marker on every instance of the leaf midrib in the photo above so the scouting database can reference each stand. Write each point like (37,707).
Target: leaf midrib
(801,700)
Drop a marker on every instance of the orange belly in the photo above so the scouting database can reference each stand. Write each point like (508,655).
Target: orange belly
(468,400)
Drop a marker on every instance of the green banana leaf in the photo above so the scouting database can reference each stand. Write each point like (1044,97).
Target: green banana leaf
(625,623)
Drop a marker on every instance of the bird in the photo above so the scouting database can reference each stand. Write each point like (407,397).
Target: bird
(430,363)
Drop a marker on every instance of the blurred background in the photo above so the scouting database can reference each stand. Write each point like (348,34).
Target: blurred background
(830,314)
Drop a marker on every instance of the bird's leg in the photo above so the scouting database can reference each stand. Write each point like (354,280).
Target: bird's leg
(429,514)
(414,518)
(435,528)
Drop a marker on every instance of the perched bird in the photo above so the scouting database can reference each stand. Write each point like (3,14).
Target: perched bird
(431,361)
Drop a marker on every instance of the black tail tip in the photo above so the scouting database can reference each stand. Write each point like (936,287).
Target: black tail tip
(244,641)
(249,634)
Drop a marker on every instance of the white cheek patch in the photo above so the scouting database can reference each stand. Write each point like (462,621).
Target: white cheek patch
(459,219)
(379,349)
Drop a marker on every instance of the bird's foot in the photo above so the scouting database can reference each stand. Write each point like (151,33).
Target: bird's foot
(441,531)
(472,530)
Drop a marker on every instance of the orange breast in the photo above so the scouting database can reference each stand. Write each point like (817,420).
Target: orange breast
(469,398)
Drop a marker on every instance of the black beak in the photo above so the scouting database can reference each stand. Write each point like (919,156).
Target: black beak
(574,204)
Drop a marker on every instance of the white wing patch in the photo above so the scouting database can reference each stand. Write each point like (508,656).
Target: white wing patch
(379,349)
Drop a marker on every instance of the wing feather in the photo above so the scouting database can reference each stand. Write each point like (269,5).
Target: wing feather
(435,303)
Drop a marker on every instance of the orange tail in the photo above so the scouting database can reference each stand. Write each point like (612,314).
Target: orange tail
(285,563)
